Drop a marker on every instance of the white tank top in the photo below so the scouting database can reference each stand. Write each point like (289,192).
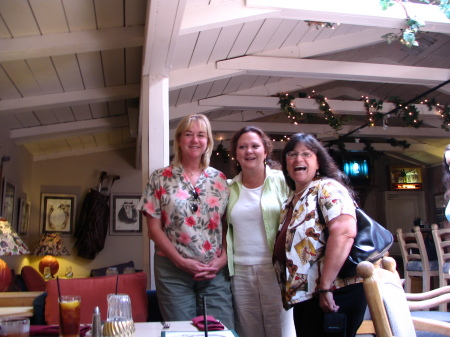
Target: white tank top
(249,235)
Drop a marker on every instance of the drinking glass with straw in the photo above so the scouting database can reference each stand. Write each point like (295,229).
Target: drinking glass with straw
(69,314)
(119,320)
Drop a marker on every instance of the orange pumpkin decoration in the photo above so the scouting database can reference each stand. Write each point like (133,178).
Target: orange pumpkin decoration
(5,276)
(49,261)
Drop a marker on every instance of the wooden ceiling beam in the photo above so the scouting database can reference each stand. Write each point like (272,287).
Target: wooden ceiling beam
(336,70)
(70,43)
(356,12)
(70,98)
(24,135)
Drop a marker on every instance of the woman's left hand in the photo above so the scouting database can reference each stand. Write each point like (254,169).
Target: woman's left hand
(326,302)
(218,263)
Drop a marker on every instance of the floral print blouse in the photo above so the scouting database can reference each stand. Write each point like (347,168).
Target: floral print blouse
(169,196)
(305,239)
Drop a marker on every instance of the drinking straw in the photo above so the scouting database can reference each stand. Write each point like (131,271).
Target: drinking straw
(204,316)
(59,290)
(117,283)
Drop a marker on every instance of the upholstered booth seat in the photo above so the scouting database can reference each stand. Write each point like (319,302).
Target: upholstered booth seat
(94,291)
(154,315)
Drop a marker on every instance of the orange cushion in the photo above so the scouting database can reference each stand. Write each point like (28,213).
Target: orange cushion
(33,279)
(93,292)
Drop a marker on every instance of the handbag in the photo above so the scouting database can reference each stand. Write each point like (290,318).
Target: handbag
(371,242)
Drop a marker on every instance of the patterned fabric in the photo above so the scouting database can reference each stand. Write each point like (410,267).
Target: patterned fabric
(417,265)
(10,243)
(169,196)
(446,268)
(305,239)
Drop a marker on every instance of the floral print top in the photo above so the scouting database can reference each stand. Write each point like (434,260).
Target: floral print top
(305,239)
(169,196)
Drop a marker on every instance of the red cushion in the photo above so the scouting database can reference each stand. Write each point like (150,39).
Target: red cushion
(93,292)
(33,279)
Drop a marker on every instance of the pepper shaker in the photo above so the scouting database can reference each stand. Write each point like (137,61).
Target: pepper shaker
(96,323)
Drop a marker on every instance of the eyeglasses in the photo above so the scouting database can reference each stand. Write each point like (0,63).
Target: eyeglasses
(194,206)
(294,155)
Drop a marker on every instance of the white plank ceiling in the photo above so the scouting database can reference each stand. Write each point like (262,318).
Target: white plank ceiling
(70,70)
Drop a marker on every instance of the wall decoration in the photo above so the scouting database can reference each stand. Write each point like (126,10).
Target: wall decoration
(125,218)
(23,221)
(8,197)
(58,213)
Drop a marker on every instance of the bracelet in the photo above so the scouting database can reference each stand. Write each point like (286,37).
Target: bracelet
(321,291)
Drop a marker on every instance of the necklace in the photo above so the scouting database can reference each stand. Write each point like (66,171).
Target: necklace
(301,192)
(191,173)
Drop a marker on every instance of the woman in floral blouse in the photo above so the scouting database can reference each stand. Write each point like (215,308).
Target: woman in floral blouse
(307,263)
(184,204)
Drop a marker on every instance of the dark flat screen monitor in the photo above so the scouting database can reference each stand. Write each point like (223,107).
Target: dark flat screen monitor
(357,167)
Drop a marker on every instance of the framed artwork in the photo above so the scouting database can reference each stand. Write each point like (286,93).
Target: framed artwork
(125,218)
(8,197)
(58,213)
(23,221)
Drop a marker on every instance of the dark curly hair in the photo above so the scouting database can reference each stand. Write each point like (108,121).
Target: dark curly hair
(267,143)
(327,166)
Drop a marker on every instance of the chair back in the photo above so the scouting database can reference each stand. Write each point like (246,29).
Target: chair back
(386,299)
(442,241)
(415,258)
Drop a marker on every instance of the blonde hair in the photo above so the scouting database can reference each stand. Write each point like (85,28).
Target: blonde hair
(185,124)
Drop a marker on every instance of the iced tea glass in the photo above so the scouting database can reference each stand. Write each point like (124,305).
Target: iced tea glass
(14,327)
(69,316)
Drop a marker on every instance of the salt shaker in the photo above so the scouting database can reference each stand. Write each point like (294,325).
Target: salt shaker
(96,323)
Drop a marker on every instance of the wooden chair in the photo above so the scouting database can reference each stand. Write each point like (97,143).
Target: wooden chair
(389,307)
(415,259)
(442,241)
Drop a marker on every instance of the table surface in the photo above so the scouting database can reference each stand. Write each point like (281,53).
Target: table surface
(155,328)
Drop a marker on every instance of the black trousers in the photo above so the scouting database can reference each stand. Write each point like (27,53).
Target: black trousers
(309,318)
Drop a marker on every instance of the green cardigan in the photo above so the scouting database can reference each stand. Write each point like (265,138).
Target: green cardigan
(275,192)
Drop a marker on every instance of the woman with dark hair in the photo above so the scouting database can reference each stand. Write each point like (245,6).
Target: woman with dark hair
(183,204)
(256,196)
(306,260)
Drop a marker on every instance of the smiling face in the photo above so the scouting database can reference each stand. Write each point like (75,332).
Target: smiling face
(302,165)
(250,151)
(193,141)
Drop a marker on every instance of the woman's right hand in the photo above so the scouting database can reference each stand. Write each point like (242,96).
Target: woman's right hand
(199,270)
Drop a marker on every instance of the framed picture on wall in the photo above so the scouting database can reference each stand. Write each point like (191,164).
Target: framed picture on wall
(23,221)
(8,197)
(125,218)
(58,213)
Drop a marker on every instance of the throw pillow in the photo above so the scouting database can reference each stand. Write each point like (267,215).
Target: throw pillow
(33,279)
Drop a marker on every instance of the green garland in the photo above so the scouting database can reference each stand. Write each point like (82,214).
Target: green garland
(407,36)
(287,104)
(408,113)
(370,105)
(444,110)
(320,24)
